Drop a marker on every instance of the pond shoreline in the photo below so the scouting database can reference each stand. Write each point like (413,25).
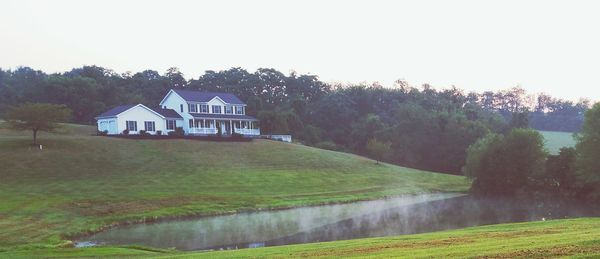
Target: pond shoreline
(405,214)
(154,220)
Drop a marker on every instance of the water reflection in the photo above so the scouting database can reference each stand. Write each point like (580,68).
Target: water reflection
(403,215)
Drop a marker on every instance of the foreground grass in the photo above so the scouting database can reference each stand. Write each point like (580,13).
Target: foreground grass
(527,240)
(556,140)
(544,239)
(81,183)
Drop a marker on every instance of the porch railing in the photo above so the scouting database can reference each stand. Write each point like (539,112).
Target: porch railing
(250,132)
(203,131)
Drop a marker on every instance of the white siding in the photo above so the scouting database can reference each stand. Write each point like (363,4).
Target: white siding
(216,101)
(174,101)
(140,114)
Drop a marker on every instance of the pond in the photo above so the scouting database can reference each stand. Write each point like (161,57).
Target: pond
(395,216)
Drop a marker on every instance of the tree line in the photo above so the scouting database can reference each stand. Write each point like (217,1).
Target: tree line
(419,127)
(516,164)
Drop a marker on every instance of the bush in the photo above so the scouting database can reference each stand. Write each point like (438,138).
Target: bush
(144,133)
(177,132)
(505,165)
(159,132)
(125,132)
(560,176)
(102,133)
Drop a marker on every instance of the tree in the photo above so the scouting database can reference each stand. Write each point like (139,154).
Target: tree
(588,147)
(560,177)
(37,117)
(377,149)
(519,120)
(503,165)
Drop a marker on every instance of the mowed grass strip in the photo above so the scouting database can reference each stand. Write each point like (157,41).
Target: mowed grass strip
(543,239)
(570,238)
(81,183)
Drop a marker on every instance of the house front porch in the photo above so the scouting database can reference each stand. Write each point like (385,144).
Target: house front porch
(223,126)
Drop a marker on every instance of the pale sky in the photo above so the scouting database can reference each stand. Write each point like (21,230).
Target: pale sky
(543,46)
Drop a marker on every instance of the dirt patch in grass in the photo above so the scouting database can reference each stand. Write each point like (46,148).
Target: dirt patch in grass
(397,245)
(548,252)
(516,234)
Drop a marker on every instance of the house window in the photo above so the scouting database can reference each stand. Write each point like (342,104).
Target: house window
(131,125)
(149,126)
(228,109)
(170,124)
(204,108)
(216,109)
(191,123)
(181,107)
(192,107)
(239,110)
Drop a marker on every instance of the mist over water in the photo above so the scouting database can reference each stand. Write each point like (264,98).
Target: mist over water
(402,215)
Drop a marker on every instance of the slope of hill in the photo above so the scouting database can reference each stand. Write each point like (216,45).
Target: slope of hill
(80,182)
(556,140)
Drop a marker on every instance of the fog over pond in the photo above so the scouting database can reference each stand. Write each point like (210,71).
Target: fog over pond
(401,215)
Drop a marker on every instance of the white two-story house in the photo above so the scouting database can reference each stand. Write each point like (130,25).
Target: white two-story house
(198,113)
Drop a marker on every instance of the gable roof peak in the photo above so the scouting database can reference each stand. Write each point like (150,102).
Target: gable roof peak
(200,96)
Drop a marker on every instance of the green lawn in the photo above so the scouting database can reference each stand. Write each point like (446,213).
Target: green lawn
(526,240)
(578,238)
(80,183)
(555,140)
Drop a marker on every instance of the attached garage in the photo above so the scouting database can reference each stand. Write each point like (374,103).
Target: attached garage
(135,118)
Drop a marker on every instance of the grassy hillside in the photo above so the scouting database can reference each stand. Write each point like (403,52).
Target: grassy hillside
(556,140)
(81,182)
(543,239)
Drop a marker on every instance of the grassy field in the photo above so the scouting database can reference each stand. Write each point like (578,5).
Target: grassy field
(556,140)
(560,238)
(579,238)
(80,183)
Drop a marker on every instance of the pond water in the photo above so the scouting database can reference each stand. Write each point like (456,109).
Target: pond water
(395,216)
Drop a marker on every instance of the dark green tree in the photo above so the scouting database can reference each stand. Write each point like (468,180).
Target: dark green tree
(37,117)
(504,165)
(559,177)
(588,147)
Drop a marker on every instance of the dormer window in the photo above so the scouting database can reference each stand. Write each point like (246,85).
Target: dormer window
(192,107)
(239,110)
(228,109)
(203,108)
(216,109)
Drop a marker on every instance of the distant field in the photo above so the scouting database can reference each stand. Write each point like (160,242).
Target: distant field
(81,183)
(556,140)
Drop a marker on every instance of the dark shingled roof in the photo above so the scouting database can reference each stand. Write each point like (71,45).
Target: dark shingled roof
(115,111)
(168,113)
(221,116)
(197,96)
